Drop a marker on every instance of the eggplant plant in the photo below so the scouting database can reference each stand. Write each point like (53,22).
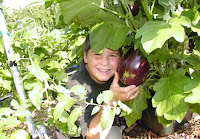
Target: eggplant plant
(166,33)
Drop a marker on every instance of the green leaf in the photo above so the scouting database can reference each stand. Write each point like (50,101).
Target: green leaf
(11,122)
(64,117)
(194,97)
(107,117)
(99,98)
(155,33)
(107,95)
(37,72)
(61,76)
(196,28)
(76,112)
(169,96)
(95,110)
(58,110)
(15,104)
(79,90)
(6,111)
(160,54)
(137,105)
(195,108)
(15,57)
(55,65)
(165,123)
(107,35)
(124,107)
(194,60)
(81,9)
(36,98)
(69,101)
(7,84)
(61,89)
(3,135)
(23,113)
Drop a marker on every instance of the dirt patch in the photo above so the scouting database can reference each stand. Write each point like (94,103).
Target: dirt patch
(190,130)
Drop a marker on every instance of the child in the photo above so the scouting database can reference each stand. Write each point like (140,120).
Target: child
(96,75)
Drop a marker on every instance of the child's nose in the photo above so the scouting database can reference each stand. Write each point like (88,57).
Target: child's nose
(105,60)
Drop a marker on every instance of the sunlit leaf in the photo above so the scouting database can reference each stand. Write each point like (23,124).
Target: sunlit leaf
(107,117)
(124,107)
(58,110)
(61,89)
(79,90)
(37,72)
(36,98)
(194,97)
(137,105)
(95,110)
(107,95)
(23,113)
(169,96)
(155,33)
(68,101)
(64,117)
(5,111)
(76,112)
(14,104)
(11,122)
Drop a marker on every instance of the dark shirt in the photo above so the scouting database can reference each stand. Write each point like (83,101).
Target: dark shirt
(82,77)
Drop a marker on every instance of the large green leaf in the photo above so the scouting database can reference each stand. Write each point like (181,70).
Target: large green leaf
(169,96)
(107,34)
(79,9)
(137,105)
(194,97)
(155,33)
(86,12)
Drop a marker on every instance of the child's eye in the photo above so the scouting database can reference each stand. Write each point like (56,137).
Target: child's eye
(112,55)
(97,54)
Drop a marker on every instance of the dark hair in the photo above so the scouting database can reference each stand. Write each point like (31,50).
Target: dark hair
(87,47)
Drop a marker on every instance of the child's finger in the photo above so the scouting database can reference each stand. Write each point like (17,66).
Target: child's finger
(129,88)
(116,79)
(134,95)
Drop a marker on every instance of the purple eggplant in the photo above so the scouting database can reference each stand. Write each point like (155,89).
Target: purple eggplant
(134,9)
(133,68)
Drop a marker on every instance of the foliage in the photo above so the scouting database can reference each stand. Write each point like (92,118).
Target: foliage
(41,56)
(41,16)
(166,32)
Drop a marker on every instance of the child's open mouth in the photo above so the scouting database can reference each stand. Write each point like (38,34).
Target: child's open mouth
(103,70)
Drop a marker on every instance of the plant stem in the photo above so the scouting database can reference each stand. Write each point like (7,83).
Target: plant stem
(149,17)
(151,11)
(128,11)
(147,80)
(116,13)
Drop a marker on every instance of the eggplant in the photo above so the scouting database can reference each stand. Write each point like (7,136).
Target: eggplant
(133,68)
(134,9)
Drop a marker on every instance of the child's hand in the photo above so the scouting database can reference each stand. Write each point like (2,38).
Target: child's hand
(123,93)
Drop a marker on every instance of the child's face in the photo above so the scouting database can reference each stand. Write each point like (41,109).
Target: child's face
(102,67)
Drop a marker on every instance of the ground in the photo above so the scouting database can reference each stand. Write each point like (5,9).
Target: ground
(190,130)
